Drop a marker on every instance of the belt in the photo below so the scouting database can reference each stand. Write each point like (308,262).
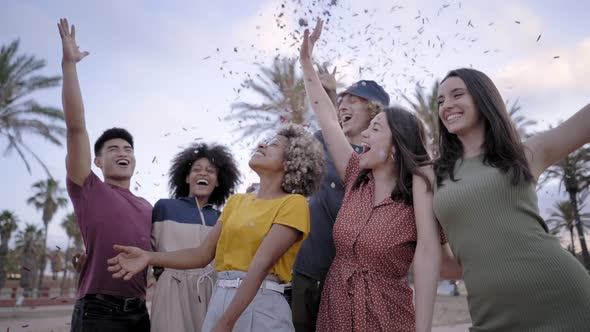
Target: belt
(128,304)
(266,284)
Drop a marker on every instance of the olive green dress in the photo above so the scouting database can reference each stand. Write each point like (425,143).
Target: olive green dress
(518,277)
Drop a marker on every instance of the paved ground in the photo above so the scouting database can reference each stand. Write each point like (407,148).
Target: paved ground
(450,316)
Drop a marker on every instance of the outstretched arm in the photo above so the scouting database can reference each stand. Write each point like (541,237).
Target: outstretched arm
(324,109)
(547,148)
(78,144)
(132,260)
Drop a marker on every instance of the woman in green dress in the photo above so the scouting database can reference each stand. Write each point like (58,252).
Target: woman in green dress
(518,277)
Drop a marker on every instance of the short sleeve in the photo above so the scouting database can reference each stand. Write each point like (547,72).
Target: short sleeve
(352,169)
(294,213)
(79,194)
(156,216)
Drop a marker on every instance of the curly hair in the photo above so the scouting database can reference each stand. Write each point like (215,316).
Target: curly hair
(228,174)
(304,161)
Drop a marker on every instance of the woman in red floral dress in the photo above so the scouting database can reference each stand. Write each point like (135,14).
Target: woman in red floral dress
(380,228)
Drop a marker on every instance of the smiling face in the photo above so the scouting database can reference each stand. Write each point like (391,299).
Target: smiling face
(269,156)
(377,143)
(456,108)
(354,114)
(116,160)
(202,179)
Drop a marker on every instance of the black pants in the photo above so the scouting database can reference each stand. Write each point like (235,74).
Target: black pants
(305,302)
(110,314)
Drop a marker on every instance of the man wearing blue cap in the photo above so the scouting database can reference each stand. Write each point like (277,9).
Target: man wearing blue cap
(357,105)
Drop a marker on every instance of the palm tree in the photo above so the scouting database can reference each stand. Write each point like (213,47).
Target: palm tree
(562,217)
(48,197)
(284,100)
(20,116)
(70,225)
(29,244)
(521,122)
(57,262)
(573,172)
(8,224)
(425,106)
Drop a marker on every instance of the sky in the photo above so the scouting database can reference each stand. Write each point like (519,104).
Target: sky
(170,71)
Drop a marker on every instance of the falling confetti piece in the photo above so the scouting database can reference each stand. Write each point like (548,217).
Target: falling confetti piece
(207,57)
(538,38)
(154,160)
(556,57)
(26,268)
(177,280)
(517,22)
(58,248)
(333,185)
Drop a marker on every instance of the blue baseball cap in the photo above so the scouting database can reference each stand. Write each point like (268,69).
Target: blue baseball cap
(368,90)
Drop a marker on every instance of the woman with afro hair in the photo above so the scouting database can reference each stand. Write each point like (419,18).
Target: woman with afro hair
(256,240)
(202,177)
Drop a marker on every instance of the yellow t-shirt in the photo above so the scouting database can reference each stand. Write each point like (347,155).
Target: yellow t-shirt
(246,220)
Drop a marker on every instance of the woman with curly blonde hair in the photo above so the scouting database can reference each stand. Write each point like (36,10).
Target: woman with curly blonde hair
(255,240)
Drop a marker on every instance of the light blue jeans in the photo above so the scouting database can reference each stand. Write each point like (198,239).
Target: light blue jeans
(268,311)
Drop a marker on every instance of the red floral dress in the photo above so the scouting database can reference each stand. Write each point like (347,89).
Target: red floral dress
(366,288)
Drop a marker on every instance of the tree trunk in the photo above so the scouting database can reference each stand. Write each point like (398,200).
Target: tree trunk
(572,239)
(43,259)
(65,275)
(3,254)
(580,229)
(28,271)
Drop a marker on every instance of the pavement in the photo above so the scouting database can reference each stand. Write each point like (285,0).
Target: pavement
(56,318)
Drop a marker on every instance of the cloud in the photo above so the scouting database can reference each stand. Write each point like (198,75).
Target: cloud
(542,72)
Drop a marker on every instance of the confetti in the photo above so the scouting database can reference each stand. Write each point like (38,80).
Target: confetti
(517,22)
(538,38)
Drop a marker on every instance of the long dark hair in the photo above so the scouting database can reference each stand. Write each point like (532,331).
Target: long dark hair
(502,146)
(228,174)
(408,138)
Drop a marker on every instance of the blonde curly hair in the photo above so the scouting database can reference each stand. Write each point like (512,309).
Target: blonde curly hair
(304,161)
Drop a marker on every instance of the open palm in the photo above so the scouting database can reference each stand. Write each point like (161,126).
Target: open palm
(130,261)
(309,41)
(71,51)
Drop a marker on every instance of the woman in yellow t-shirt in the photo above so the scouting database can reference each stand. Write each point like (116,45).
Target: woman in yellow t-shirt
(255,241)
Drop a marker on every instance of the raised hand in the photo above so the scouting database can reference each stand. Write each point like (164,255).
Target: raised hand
(78,261)
(310,40)
(328,79)
(71,51)
(130,261)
